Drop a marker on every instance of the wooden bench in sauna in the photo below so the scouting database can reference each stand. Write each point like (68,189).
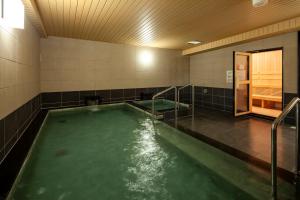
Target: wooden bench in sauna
(266,100)
(267,97)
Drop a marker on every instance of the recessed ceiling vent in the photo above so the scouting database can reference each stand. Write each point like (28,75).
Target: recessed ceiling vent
(259,3)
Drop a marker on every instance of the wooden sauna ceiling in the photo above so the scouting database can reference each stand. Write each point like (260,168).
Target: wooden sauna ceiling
(159,23)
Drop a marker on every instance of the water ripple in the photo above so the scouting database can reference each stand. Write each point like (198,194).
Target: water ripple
(148,164)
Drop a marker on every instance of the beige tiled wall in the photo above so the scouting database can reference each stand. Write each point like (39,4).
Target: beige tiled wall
(19,67)
(72,65)
(209,68)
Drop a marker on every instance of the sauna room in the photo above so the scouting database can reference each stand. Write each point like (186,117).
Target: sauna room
(259,82)
(267,83)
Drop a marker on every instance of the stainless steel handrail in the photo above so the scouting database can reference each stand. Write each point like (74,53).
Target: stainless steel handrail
(275,124)
(175,100)
(193,97)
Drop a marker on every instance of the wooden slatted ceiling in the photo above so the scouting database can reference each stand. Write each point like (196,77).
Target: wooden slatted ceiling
(33,14)
(159,23)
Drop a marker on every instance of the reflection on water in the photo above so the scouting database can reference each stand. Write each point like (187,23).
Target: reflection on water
(93,108)
(148,164)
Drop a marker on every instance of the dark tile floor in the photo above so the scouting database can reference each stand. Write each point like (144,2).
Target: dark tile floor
(250,135)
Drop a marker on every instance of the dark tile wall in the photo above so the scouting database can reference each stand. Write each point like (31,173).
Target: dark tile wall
(13,126)
(77,98)
(213,98)
(185,95)
(222,99)
(205,97)
(287,97)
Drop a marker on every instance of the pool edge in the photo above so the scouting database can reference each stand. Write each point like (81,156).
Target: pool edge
(19,174)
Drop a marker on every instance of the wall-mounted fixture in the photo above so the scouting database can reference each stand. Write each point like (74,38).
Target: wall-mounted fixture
(259,3)
(12,13)
(194,42)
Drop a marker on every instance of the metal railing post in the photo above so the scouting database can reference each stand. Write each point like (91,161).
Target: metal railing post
(297,170)
(178,98)
(274,161)
(162,92)
(153,107)
(278,120)
(193,98)
(176,106)
(193,102)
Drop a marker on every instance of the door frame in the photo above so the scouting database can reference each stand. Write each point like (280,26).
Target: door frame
(249,84)
(282,90)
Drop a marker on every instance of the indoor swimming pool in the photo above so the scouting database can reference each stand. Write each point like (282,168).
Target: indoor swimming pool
(118,152)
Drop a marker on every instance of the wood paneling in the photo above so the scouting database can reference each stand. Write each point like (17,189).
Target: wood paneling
(263,32)
(163,23)
(33,14)
(267,69)
(267,73)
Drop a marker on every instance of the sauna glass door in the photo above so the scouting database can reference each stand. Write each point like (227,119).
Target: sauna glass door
(242,83)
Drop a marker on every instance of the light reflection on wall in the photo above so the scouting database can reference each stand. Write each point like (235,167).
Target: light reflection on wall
(146,33)
(145,58)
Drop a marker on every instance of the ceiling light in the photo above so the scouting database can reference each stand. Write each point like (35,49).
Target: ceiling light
(194,42)
(259,3)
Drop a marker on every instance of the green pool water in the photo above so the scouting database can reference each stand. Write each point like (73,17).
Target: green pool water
(160,104)
(117,152)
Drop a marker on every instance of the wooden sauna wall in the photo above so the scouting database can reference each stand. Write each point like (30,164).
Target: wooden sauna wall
(267,78)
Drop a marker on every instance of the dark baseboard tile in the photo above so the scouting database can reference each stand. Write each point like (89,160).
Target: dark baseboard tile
(11,165)
(130,94)
(222,99)
(218,92)
(117,95)
(205,97)
(218,100)
(105,94)
(70,96)
(214,98)
(291,118)
(13,125)
(287,97)
(52,100)
(229,93)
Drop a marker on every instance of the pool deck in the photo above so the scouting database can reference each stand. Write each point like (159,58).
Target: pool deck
(247,137)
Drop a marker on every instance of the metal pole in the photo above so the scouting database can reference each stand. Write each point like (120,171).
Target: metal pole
(153,107)
(178,99)
(193,102)
(297,142)
(175,106)
(285,112)
(274,161)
